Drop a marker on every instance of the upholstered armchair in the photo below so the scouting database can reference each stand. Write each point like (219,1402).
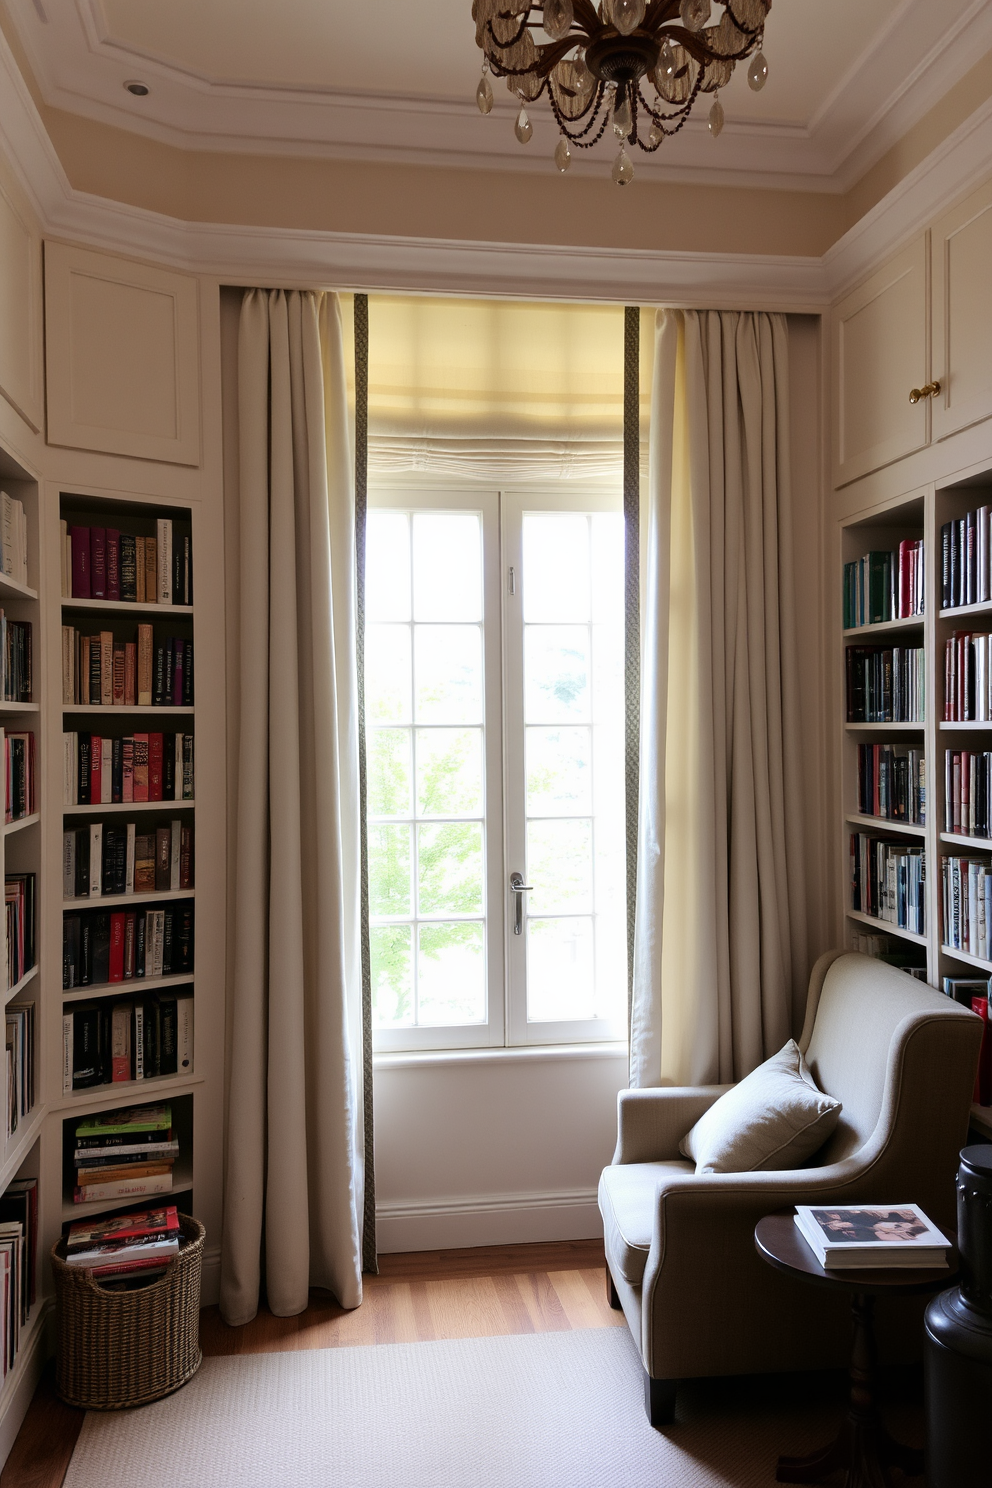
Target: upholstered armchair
(680,1252)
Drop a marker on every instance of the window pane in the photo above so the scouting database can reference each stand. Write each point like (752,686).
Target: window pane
(447,566)
(389,773)
(561,965)
(448,661)
(559,774)
(559,865)
(387,566)
(556,673)
(449,772)
(556,567)
(450,862)
(387,674)
(390,879)
(451,983)
(392,975)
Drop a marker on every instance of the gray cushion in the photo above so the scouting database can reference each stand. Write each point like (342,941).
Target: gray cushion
(774,1118)
(628,1200)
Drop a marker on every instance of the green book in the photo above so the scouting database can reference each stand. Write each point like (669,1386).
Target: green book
(136,1119)
(879,582)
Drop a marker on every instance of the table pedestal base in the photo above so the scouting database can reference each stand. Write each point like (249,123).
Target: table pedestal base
(864,1450)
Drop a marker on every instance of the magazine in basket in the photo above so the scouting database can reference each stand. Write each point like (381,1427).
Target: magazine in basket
(863,1235)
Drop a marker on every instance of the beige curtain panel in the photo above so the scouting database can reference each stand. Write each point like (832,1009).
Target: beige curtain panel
(720,934)
(293,1181)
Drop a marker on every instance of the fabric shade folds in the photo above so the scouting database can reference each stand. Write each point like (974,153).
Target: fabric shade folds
(294,1174)
(720,935)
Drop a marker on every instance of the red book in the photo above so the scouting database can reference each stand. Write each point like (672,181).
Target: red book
(983,1080)
(141,767)
(113,564)
(155,766)
(117,947)
(96,757)
(129,925)
(98,563)
(79,538)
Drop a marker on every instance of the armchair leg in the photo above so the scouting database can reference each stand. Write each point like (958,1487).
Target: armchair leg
(659,1400)
(611,1293)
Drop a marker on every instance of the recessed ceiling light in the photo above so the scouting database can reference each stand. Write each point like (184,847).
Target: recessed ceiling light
(137,88)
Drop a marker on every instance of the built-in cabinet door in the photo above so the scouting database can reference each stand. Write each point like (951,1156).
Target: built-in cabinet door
(962,314)
(881,351)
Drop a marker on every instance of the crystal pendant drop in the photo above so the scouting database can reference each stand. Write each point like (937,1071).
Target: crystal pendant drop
(622,121)
(757,73)
(695,14)
(666,60)
(627,15)
(484,94)
(716,118)
(523,128)
(623,171)
(563,155)
(558,18)
(655,135)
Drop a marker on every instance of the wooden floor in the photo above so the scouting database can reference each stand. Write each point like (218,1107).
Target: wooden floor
(477,1293)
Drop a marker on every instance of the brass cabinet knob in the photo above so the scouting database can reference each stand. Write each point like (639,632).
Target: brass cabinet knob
(928,390)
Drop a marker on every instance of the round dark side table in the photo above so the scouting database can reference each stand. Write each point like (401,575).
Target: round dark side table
(863,1447)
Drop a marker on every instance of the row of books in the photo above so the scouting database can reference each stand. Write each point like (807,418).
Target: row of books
(968,792)
(98,771)
(965,572)
(115,858)
(892,783)
(19,907)
(968,677)
(885,684)
(975,993)
(13,539)
(100,947)
(103,672)
(19,798)
(105,1043)
(966,885)
(888,881)
(105,563)
(16,684)
(884,585)
(124,1154)
(127,1250)
(20,1063)
(900,953)
(18,1263)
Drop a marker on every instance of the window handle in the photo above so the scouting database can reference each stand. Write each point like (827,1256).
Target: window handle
(518,888)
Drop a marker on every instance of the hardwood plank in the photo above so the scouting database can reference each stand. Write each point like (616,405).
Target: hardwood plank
(582,1295)
(43,1446)
(465,1307)
(541,1301)
(486,1260)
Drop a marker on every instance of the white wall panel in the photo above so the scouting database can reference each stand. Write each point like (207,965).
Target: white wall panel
(20,309)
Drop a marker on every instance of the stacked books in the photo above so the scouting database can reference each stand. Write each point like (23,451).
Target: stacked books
(128,1247)
(13,539)
(966,576)
(967,905)
(860,1236)
(100,947)
(19,1032)
(18,1254)
(968,677)
(885,684)
(884,586)
(893,952)
(19,904)
(888,881)
(138,767)
(19,774)
(107,1043)
(15,660)
(976,993)
(110,858)
(892,783)
(968,792)
(102,672)
(104,563)
(124,1154)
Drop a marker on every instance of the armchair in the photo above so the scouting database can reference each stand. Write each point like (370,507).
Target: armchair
(680,1252)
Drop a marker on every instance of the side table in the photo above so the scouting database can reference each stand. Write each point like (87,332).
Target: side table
(863,1447)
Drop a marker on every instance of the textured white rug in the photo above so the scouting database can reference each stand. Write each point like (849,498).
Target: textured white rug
(553,1410)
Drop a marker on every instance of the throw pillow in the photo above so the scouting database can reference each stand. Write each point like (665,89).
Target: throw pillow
(774,1118)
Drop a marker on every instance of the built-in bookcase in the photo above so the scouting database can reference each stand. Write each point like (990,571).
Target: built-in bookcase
(919,516)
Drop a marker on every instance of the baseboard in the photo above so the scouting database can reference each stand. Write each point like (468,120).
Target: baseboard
(210,1277)
(487,1219)
(23,1383)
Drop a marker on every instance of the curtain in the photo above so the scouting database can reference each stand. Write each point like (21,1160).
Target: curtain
(294,1172)
(720,933)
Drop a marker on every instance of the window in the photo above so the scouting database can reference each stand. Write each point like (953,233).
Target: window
(495,732)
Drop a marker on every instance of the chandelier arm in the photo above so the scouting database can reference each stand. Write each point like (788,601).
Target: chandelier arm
(660,11)
(556,51)
(742,26)
(585,13)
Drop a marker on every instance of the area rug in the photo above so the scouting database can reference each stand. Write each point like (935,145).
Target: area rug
(552,1410)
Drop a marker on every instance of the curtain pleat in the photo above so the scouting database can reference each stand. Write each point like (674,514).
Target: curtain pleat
(720,928)
(294,1164)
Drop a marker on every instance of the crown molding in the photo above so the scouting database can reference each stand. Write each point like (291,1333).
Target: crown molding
(916,59)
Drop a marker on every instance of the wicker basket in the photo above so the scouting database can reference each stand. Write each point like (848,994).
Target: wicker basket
(118,1349)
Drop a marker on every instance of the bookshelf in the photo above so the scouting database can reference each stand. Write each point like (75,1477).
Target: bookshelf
(918,516)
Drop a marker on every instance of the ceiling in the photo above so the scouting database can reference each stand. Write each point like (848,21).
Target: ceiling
(389,79)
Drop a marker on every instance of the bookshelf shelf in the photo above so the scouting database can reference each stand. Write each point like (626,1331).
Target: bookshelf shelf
(883,824)
(969,960)
(977,844)
(884,627)
(98,901)
(125,607)
(20,1144)
(130,806)
(956,612)
(983,727)
(182,1182)
(18,707)
(21,823)
(884,927)
(126,1092)
(11,589)
(884,728)
(97,710)
(18,987)
(130,988)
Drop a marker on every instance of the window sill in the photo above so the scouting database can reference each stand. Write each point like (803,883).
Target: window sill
(519,1054)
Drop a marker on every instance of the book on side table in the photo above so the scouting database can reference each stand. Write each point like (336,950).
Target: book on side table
(859,1236)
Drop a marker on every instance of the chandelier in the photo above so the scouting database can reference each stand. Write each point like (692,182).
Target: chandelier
(596,61)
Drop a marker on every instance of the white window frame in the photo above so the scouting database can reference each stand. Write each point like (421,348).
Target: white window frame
(502,511)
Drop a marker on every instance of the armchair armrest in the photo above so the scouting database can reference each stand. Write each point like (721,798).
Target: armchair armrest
(651,1123)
